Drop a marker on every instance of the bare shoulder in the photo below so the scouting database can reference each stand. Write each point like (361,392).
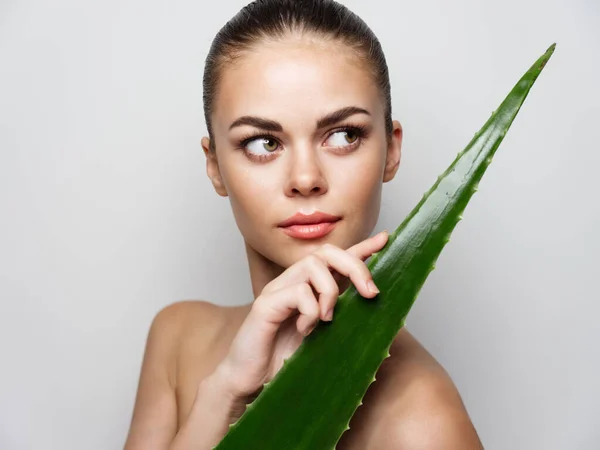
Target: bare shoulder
(173,323)
(154,421)
(191,315)
(205,332)
(190,326)
(182,311)
(425,409)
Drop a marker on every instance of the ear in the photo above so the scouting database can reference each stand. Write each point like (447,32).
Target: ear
(394,152)
(212,168)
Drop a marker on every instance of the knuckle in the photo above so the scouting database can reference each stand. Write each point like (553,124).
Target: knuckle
(268,287)
(332,290)
(303,289)
(313,260)
(260,304)
(328,247)
(309,292)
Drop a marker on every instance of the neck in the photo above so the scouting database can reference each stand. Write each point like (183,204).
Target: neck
(262,270)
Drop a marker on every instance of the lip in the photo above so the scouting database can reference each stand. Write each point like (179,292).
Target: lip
(310,231)
(309,226)
(315,218)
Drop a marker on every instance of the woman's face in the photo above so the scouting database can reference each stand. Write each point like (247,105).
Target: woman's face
(279,160)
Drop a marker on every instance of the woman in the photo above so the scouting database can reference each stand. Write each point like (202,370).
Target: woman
(298,111)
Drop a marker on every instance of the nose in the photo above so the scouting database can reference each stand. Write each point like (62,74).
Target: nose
(306,175)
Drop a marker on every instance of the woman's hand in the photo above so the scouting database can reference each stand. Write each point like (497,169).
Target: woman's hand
(289,307)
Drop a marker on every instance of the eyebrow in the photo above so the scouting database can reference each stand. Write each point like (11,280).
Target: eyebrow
(272,125)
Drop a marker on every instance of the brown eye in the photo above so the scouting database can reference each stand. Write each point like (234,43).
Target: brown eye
(351,136)
(343,138)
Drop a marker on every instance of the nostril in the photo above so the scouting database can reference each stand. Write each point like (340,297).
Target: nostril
(314,189)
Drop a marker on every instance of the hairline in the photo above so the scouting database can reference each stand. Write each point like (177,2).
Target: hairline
(230,54)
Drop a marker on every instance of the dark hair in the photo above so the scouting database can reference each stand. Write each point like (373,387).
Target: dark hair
(264,19)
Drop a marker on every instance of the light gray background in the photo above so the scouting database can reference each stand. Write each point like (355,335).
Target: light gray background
(107,214)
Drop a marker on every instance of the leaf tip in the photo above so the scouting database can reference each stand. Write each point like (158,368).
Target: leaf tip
(546,56)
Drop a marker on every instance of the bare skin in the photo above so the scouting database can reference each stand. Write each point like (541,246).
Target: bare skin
(296,82)
(410,383)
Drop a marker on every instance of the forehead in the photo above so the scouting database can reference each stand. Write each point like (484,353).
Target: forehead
(294,82)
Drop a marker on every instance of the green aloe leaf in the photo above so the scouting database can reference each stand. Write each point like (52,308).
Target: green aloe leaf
(310,401)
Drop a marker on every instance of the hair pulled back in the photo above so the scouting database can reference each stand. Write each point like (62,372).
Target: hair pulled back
(273,19)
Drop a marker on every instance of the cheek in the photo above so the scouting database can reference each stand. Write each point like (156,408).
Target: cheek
(358,185)
(249,194)
(360,181)
(363,192)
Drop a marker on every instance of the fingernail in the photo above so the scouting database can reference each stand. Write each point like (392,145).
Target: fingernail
(309,330)
(371,287)
(329,314)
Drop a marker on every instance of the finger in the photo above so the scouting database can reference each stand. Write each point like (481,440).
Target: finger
(350,266)
(270,310)
(362,251)
(297,273)
(321,280)
(366,248)
(314,271)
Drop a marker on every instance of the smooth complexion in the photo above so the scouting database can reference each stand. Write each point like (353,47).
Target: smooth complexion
(273,160)
(299,127)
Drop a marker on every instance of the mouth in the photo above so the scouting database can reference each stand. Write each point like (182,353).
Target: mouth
(311,231)
(312,226)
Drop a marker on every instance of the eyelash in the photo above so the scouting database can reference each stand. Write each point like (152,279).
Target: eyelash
(359,130)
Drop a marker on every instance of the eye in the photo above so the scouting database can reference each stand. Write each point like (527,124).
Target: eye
(260,144)
(344,138)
